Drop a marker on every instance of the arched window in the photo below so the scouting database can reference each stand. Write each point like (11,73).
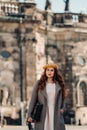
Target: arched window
(83,92)
(1,96)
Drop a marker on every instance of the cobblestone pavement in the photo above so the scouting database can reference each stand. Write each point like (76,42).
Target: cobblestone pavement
(68,127)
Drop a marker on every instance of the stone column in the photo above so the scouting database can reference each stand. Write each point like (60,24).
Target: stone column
(13,8)
(5,8)
(16,9)
(9,8)
(0,8)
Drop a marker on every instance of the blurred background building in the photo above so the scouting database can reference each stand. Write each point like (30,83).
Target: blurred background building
(30,38)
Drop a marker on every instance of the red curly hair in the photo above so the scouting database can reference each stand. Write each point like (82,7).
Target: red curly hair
(57,77)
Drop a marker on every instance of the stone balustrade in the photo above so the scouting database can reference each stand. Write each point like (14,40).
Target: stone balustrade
(8,7)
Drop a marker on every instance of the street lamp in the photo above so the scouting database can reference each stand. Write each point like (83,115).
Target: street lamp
(21,75)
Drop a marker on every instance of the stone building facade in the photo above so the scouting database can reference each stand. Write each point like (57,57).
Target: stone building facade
(17,62)
(30,38)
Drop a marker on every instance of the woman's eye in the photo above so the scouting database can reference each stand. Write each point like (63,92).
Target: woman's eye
(52,70)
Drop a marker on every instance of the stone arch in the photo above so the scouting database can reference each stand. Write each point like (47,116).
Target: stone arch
(81,93)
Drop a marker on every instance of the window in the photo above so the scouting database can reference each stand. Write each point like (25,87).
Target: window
(83,88)
(5,54)
(81,60)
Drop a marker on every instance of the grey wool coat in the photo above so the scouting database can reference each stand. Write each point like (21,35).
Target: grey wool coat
(42,97)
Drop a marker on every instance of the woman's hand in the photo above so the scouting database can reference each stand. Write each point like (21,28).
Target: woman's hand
(62,111)
(29,119)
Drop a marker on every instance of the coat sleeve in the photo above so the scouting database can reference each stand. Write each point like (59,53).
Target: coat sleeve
(33,99)
(62,102)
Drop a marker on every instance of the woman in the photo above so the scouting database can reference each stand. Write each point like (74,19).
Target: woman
(51,93)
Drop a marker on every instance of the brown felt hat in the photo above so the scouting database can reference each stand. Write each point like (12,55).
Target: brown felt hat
(51,65)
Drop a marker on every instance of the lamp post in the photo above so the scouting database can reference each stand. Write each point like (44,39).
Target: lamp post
(21,76)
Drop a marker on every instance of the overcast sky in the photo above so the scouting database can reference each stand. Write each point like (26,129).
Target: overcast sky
(77,6)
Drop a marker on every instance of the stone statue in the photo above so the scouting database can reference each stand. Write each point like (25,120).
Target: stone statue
(48,5)
(66,5)
(5,96)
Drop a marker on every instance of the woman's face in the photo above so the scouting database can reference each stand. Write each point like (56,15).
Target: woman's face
(50,72)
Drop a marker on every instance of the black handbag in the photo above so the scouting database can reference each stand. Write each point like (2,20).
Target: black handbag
(29,126)
(37,111)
